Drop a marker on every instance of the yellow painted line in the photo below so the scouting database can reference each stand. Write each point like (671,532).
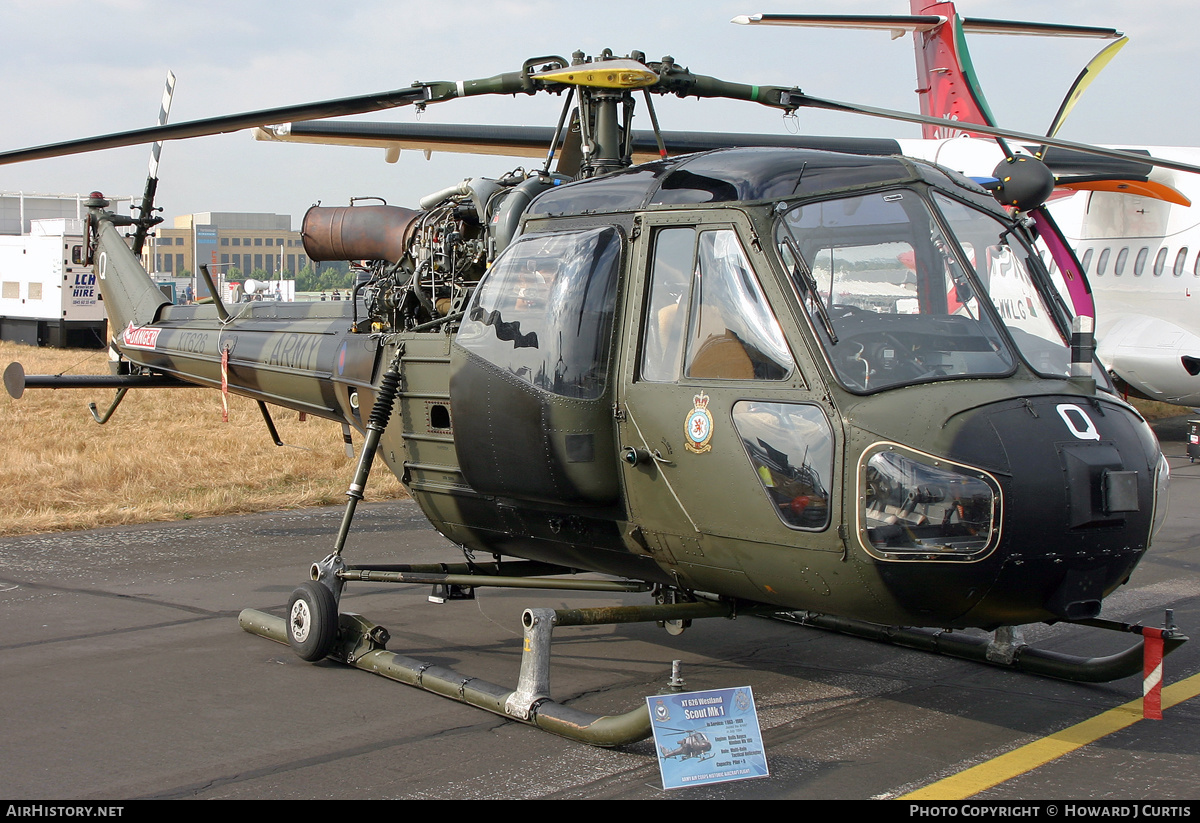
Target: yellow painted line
(1040,752)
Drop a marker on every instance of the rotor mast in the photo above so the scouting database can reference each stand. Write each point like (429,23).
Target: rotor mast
(606,103)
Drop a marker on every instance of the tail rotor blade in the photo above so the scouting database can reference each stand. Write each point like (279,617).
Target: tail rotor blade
(163,113)
(146,217)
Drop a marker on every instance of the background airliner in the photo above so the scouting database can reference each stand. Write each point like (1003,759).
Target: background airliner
(1133,226)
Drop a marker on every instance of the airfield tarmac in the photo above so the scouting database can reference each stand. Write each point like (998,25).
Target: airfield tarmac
(124,675)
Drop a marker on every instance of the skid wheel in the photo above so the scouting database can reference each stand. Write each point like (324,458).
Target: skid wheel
(312,621)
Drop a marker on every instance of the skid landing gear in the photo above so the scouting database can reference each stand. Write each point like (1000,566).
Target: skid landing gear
(362,644)
(1007,649)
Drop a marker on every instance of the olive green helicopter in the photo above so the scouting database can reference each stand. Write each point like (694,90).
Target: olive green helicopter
(736,374)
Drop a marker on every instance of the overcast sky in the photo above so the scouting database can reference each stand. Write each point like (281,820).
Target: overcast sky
(76,69)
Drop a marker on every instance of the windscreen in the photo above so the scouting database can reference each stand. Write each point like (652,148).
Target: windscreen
(892,297)
(1005,266)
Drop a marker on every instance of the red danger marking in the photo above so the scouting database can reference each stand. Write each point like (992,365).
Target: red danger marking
(138,337)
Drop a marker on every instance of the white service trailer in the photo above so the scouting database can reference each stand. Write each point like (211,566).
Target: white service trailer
(47,297)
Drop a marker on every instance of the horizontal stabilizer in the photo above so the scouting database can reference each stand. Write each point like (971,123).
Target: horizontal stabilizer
(1142,188)
(901,24)
(897,24)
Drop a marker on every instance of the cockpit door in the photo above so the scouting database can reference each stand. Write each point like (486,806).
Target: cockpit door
(711,400)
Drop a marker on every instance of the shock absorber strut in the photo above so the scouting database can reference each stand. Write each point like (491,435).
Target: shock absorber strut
(381,413)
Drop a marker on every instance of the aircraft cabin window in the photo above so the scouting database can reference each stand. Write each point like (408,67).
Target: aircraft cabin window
(1180,259)
(1086,262)
(702,281)
(1119,265)
(1102,263)
(544,311)
(1139,265)
(790,446)
(901,517)
(662,343)
(1160,261)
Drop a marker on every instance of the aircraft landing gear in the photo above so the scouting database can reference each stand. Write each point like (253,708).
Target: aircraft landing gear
(360,643)
(312,622)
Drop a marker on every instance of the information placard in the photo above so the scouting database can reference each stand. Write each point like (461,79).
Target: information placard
(707,737)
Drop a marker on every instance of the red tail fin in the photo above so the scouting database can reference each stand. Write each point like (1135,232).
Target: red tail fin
(949,88)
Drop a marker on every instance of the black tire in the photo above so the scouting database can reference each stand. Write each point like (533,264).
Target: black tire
(312,621)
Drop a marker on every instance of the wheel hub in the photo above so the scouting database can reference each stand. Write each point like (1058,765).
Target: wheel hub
(301,621)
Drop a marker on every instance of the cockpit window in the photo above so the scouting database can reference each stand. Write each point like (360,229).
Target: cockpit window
(892,297)
(544,311)
(707,311)
(1005,266)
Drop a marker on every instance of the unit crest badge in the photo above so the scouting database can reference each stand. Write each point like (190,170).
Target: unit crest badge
(698,429)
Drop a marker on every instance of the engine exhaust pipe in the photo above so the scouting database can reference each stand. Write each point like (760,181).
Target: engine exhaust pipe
(358,232)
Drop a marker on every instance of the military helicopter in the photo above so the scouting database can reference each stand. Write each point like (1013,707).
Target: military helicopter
(806,376)
(694,744)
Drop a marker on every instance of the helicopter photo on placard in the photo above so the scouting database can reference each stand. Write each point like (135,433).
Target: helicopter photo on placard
(707,737)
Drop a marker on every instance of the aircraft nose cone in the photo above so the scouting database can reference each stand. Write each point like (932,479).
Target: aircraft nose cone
(1078,480)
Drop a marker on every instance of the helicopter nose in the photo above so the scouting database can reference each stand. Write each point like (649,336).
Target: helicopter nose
(1080,480)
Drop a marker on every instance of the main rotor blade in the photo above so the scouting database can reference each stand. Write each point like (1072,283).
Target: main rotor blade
(223,124)
(800,99)
(531,141)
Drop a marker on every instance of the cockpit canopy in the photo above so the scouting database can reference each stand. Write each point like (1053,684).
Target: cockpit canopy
(906,288)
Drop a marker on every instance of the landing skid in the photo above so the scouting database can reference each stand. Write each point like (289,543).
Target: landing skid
(315,630)
(362,644)
(1006,649)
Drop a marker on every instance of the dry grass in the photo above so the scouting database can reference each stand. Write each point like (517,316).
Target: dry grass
(1154,410)
(164,455)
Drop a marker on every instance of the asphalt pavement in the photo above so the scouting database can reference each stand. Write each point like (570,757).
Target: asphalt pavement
(125,675)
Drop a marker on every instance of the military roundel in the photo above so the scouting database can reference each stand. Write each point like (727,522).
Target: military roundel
(698,428)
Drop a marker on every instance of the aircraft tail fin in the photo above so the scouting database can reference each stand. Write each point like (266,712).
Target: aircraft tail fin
(132,299)
(949,88)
